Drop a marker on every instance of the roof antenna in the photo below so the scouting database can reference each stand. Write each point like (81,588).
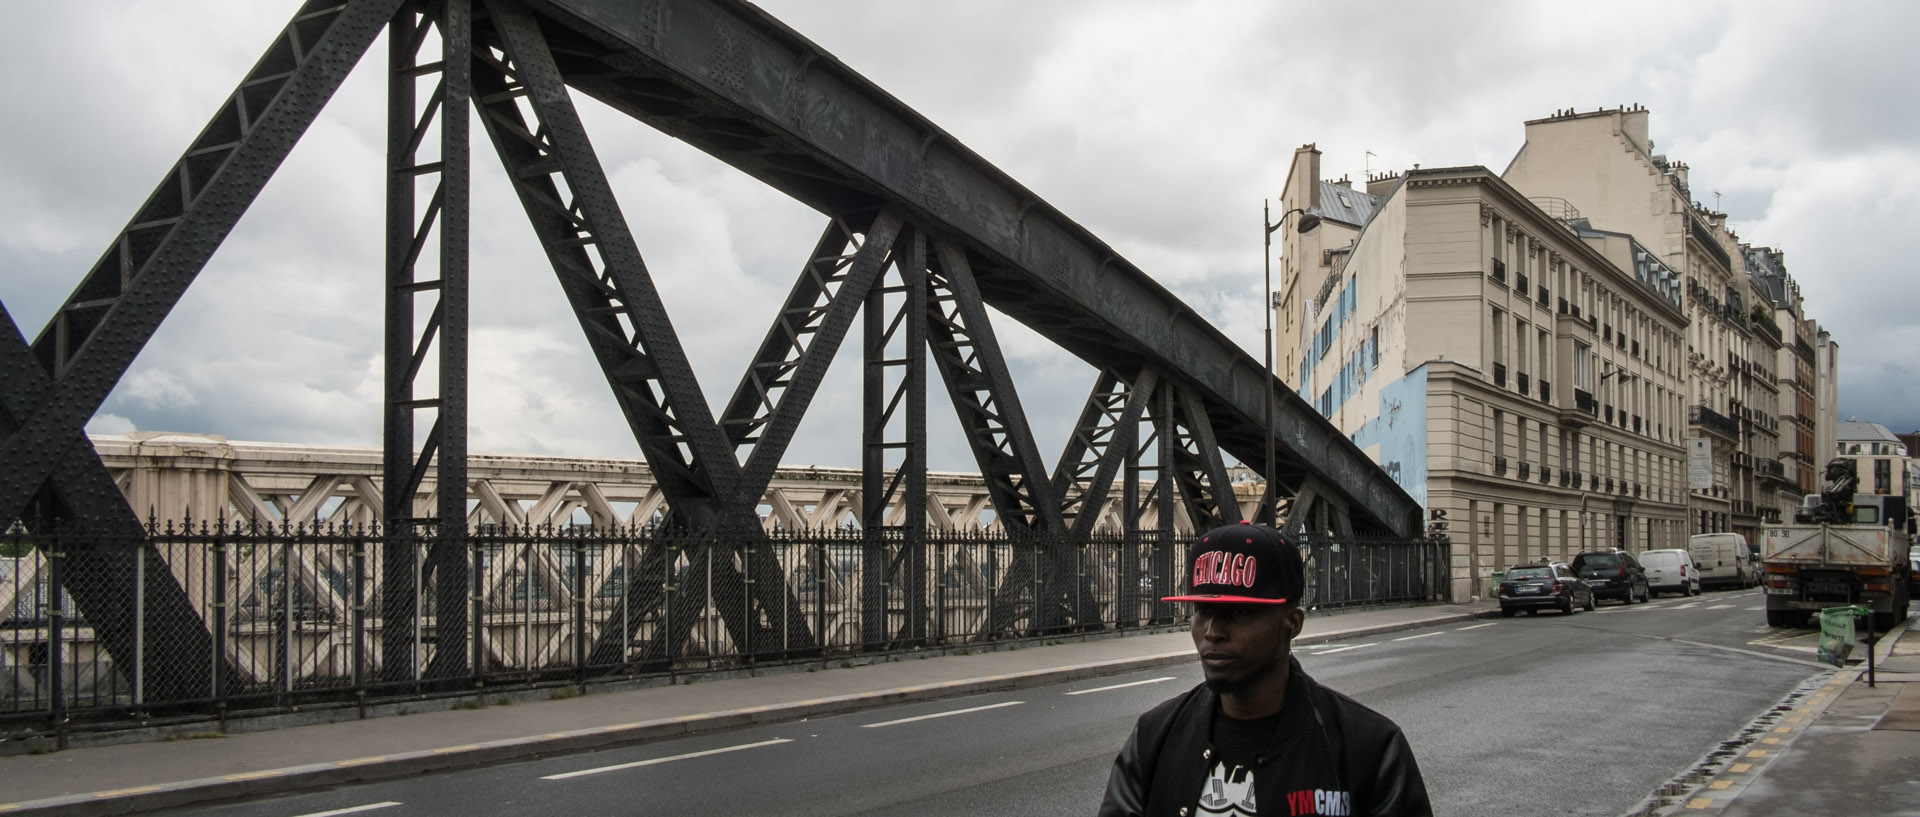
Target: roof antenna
(1716,202)
(1369,163)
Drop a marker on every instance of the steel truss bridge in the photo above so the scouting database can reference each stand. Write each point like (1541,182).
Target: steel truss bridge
(919,237)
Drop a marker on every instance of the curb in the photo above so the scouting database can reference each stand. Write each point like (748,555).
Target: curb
(386,767)
(1718,779)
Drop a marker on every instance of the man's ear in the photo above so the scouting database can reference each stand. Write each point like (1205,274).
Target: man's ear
(1293,619)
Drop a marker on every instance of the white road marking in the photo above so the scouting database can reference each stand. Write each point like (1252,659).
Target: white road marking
(1412,637)
(1344,649)
(1121,686)
(1756,607)
(1721,607)
(1475,627)
(940,714)
(639,763)
(352,810)
(1688,604)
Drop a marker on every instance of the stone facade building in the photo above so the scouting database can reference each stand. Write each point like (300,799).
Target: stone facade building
(1604,164)
(1519,372)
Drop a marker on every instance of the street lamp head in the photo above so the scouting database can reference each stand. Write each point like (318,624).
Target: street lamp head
(1307,221)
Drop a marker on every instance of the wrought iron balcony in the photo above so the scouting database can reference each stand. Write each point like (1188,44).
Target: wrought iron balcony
(1546,392)
(1500,375)
(1520,382)
(1713,421)
(1499,466)
(1526,470)
(1583,400)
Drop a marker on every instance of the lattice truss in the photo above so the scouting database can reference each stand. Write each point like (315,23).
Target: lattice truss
(921,283)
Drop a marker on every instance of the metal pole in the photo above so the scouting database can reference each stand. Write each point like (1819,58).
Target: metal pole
(56,622)
(139,626)
(1267,502)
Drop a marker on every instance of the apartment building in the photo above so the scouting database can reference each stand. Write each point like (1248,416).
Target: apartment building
(1603,164)
(1799,461)
(1521,373)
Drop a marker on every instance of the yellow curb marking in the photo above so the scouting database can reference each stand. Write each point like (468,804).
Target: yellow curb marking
(9,807)
(1783,729)
(451,749)
(118,792)
(1720,784)
(1795,719)
(1699,802)
(1757,753)
(361,761)
(1739,768)
(253,775)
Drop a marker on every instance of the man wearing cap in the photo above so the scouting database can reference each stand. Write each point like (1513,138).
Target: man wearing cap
(1259,737)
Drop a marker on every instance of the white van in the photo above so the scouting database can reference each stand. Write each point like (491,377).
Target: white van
(1724,559)
(1671,571)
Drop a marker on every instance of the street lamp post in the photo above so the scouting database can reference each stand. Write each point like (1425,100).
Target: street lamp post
(1308,221)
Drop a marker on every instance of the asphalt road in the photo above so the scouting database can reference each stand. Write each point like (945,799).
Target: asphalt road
(1549,714)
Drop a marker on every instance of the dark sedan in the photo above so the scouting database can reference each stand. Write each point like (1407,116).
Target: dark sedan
(1554,585)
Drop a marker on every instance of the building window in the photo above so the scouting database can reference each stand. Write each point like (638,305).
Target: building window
(1883,476)
(1373,347)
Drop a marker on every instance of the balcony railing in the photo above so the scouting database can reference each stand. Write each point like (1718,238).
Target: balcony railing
(1526,470)
(1500,375)
(1520,382)
(1583,400)
(1546,392)
(1500,466)
(1713,421)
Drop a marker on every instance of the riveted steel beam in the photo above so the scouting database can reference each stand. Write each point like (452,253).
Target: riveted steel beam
(1205,488)
(164,636)
(96,334)
(793,358)
(565,192)
(411,226)
(1108,430)
(977,379)
(894,433)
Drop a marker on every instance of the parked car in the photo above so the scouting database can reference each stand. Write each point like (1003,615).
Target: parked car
(1724,559)
(1614,574)
(1554,585)
(1671,571)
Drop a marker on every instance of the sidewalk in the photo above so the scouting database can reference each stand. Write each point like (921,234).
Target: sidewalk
(1837,746)
(140,777)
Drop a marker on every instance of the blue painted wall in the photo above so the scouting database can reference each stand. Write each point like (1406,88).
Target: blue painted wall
(1401,432)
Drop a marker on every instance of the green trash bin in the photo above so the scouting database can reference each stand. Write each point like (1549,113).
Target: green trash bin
(1836,633)
(1493,583)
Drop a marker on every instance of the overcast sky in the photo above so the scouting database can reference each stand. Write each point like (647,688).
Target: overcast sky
(1159,126)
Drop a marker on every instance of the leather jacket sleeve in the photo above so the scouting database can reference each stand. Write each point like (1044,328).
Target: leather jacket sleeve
(1398,789)
(1127,783)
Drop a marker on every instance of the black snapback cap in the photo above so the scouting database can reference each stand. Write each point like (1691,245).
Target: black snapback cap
(1244,564)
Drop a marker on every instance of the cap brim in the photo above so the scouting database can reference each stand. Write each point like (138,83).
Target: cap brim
(1224,599)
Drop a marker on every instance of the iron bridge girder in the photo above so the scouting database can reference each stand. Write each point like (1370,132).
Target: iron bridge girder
(732,80)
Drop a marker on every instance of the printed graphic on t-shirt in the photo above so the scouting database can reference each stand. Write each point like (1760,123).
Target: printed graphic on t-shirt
(1228,793)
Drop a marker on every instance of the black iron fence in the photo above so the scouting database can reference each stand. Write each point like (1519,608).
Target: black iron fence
(208,620)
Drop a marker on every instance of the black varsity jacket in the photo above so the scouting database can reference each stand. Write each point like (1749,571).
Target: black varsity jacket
(1352,761)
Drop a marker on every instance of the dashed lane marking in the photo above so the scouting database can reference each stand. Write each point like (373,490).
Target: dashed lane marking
(1721,607)
(941,714)
(1473,627)
(351,809)
(1344,649)
(1412,637)
(1121,686)
(639,763)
